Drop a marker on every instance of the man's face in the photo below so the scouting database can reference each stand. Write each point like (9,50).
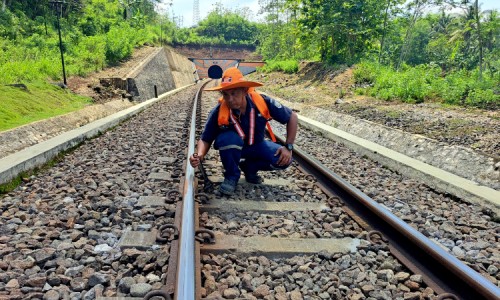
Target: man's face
(235,98)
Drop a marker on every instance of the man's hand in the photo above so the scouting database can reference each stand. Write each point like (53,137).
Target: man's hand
(195,160)
(285,156)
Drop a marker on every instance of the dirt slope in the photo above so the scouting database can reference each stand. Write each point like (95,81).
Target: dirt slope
(333,89)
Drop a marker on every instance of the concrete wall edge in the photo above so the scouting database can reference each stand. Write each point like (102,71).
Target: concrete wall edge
(486,195)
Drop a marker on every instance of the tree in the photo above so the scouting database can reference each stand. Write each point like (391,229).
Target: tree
(415,9)
(438,48)
(344,30)
(133,6)
(465,39)
(227,26)
(491,41)
(479,39)
(388,10)
(277,37)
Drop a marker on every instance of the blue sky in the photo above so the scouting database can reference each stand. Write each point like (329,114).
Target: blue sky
(184,8)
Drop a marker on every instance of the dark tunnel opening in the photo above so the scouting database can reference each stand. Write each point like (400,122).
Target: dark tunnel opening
(215,72)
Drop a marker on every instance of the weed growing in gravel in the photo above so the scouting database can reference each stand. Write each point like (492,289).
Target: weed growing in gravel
(11,185)
(393,114)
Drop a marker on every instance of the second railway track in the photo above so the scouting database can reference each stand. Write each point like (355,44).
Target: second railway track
(87,227)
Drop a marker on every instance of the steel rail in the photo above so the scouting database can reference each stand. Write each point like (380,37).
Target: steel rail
(186,270)
(441,271)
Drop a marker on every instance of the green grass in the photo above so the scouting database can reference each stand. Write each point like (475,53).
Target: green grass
(41,100)
(425,83)
(287,66)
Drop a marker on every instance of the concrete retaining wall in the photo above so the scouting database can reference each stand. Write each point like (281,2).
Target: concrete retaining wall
(183,70)
(165,69)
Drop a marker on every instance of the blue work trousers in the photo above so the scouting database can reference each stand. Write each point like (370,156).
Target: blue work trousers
(256,157)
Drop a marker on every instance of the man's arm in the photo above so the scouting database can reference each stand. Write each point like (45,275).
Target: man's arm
(209,133)
(291,128)
(285,155)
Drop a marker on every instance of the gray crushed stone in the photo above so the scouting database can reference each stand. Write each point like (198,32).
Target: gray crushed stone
(461,161)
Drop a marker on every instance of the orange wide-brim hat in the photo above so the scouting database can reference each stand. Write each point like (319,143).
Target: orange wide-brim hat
(231,79)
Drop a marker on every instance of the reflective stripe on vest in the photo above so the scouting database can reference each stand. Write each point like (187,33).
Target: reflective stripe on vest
(237,126)
(252,126)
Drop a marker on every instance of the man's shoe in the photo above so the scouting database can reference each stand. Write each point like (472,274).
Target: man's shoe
(227,187)
(254,178)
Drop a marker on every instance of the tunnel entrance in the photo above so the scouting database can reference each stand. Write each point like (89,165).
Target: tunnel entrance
(215,72)
(214,67)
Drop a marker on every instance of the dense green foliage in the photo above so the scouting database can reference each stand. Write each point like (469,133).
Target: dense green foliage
(394,32)
(102,35)
(227,29)
(405,52)
(425,82)
(95,34)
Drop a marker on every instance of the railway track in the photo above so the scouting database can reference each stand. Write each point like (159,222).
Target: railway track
(116,218)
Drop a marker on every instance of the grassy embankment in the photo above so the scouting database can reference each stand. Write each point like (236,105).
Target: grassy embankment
(38,101)
(423,83)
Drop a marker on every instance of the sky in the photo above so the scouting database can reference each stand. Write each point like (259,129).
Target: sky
(184,8)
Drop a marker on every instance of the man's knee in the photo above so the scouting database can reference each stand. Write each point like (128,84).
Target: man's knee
(228,140)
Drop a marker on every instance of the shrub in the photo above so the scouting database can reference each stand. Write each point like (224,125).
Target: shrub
(425,82)
(118,44)
(90,55)
(286,66)
(366,72)
(483,98)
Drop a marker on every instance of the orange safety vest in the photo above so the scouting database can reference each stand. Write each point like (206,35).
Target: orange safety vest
(225,114)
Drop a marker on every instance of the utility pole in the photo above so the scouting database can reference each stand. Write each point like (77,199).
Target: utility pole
(178,20)
(160,13)
(196,12)
(58,5)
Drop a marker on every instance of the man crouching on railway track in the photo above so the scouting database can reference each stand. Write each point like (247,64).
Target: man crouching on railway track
(237,125)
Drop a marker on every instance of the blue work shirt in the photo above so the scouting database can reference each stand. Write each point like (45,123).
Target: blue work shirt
(277,111)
